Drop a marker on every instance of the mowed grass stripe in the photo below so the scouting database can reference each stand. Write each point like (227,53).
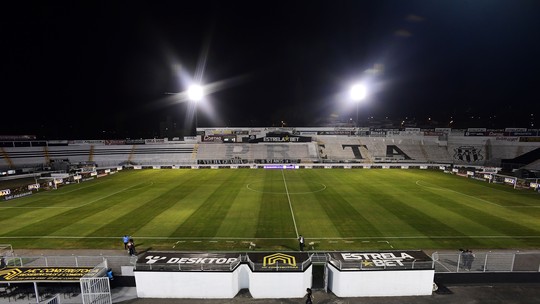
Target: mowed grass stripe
(242,218)
(169,220)
(505,196)
(346,218)
(359,188)
(496,219)
(411,210)
(106,218)
(59,197)
(275,219)
(62,219)
(311,218)
(527,216)
(146,210)
(207,219)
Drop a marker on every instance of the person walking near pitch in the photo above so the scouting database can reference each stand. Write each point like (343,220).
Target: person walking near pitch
(309,296)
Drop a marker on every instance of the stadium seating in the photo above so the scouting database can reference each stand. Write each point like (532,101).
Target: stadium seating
(329,146)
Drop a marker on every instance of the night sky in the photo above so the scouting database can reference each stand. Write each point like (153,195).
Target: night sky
(102,69)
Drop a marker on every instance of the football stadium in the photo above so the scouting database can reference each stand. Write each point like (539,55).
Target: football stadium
(409,203)
(212,152)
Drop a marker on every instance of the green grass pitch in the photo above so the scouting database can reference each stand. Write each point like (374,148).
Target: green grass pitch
(226,209)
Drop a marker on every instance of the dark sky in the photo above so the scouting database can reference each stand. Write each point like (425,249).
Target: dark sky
(100,69)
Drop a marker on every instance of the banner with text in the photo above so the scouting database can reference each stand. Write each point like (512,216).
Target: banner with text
(45,274)
(377,260)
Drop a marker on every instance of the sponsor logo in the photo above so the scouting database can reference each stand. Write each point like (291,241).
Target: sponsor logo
(8,274)
(281,139)
(154,258)
(280,260)
(154,141)
(515,130)
(379,259)
(504,138)
(33,186)
(9,197)
(529,139)
(212,138)
(200,259)
(5,192)
(45,273)
(476,129)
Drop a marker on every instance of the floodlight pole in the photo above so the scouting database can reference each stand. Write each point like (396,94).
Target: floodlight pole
(196,94)
(356,121)
(357,93)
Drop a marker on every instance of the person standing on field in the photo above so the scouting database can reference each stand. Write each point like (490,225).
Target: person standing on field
(125,239)
(131,247)
(301,242)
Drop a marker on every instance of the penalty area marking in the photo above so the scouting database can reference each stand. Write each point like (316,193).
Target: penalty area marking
(418,183)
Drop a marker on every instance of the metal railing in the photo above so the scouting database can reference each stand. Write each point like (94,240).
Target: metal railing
(487,262)
(114,262)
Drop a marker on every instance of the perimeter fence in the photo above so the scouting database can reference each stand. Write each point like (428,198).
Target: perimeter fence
(443,262)
(487,261)
(113,262)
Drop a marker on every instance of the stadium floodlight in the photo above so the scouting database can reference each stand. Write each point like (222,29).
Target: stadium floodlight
(357,93)
(195,92)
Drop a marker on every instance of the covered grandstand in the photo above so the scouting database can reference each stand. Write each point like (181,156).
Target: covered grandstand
(463,147)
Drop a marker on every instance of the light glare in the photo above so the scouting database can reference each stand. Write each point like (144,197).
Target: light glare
(358,92)
(195,92)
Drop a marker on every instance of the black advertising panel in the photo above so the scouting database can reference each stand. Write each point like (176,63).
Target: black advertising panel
(275,138)
(381,260)
(45,274)
(295,261)
(187,261)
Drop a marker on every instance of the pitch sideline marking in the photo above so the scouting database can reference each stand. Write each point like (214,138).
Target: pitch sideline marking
(244,238)
(482,200)
(290,205)
(27,207)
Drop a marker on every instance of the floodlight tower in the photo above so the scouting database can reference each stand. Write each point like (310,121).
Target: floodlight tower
(358,93)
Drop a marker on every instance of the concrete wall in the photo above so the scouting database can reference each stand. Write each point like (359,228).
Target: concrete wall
(211,285)
(280,284)
(222,285)
(380,283)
